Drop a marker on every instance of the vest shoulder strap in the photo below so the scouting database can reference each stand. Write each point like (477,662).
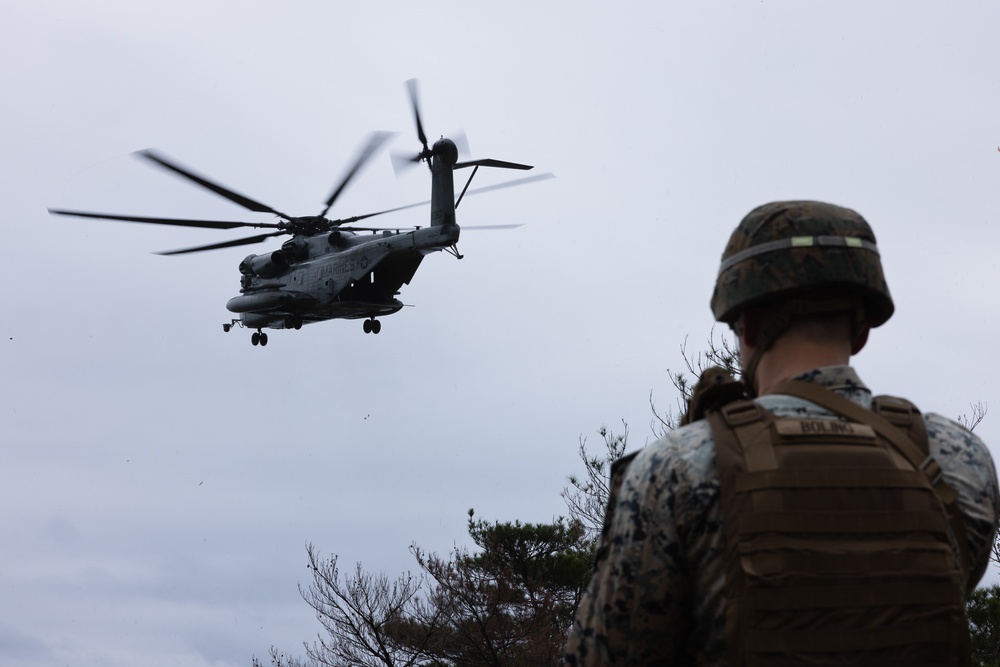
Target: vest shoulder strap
(888,409)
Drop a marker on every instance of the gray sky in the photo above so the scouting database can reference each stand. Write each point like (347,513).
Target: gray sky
(160,478)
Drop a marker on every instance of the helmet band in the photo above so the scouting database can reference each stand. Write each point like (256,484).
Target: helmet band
(797,242)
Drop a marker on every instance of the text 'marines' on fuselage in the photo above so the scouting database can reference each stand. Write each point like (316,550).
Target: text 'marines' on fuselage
(332,269)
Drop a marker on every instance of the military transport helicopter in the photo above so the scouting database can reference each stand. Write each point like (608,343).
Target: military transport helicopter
(332,269)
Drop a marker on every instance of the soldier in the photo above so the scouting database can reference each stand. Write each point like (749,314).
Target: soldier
(810,525)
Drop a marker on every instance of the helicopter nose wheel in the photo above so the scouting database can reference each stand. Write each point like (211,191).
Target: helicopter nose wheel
(258,338)
(372,326)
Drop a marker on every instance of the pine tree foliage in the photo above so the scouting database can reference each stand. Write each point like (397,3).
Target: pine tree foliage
(511,602)
(983,610)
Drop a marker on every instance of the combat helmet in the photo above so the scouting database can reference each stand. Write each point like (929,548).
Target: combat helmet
(798,258)
(791,251)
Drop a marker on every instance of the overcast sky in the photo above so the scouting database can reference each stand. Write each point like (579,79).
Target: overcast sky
(160,478)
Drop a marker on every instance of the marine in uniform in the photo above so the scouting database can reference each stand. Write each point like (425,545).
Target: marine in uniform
(658,595)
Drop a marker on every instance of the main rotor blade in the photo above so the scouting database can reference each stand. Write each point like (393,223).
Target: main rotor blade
(242,200)
(475,191)
(180,222)
(411,85)
(375,140)
(477,227)
(410,227)
(348,221)
(225,244)
(510,184)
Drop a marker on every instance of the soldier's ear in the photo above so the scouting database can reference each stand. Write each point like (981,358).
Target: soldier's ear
(859,340)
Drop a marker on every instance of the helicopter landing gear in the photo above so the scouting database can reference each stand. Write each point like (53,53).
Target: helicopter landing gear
(258,338)
(372,326)
(293,322)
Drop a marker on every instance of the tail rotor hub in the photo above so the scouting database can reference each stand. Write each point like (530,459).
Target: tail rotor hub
(446,151)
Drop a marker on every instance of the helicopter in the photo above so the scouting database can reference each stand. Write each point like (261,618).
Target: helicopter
(333,269)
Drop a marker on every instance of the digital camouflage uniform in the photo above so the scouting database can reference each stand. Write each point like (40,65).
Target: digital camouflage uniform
(657,595)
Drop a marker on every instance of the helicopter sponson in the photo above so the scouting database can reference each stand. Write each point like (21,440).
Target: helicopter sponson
(263,301)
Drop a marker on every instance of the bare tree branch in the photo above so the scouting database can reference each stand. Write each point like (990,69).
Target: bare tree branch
(587,496)
(587,499)
(361,613)
(978,414)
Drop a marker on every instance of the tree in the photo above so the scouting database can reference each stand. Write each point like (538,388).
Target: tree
(971,421)
(361,615)
(983,610)
(513,601)
(587,500)
(721,353)
(509,603)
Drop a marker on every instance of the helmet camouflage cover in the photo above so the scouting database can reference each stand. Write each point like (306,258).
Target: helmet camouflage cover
(789,249)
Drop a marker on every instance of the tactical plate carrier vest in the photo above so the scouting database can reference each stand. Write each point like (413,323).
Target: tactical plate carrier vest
(837,536)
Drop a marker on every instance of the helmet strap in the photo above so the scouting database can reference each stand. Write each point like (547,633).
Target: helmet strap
(766,335)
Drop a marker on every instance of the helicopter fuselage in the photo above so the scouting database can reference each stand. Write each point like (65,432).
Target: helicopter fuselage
(339,274)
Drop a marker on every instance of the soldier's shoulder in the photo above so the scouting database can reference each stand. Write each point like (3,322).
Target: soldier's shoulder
(686,453)
(965,460)
(968,468)
(951,438)
(683,441)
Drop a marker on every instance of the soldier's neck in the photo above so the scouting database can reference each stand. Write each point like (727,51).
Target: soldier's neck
(791,356)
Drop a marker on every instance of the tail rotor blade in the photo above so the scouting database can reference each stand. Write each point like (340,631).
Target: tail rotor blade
(462,144)
(411,86)
(402,162)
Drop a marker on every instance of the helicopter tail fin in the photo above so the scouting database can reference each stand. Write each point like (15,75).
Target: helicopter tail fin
(476,164)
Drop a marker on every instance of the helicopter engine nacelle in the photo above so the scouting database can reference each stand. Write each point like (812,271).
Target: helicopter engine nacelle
(295,249)
(265,266)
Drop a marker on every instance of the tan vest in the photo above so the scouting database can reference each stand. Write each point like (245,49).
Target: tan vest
(838,537)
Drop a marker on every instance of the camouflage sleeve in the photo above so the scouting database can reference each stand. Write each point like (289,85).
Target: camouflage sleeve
(968,468)
(638,607)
